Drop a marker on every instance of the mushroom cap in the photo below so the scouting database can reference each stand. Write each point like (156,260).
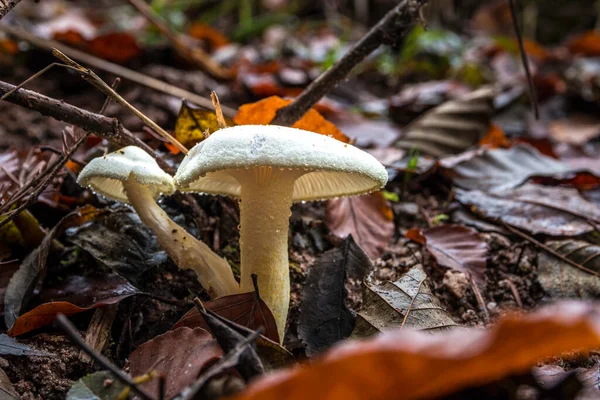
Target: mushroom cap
(333,168)
(106,174)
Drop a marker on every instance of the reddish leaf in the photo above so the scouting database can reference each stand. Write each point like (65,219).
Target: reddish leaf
(263,112)
(495,138)
(179,355)
(118,47)
(586,44)
(77,294)
(416,235)
(459,248)
(368,218)
(213,37)
(246,309)
(416,365)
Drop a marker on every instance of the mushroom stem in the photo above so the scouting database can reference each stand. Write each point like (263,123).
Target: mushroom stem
(214,273)
(265,209)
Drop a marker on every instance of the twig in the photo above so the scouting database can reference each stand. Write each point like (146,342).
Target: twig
(115,69)
(514,292)
(395,24)
(479,298)
(71,332)
(6,6)
(412,301)
(524,60)
(548,249)
(91,77)
(194,54)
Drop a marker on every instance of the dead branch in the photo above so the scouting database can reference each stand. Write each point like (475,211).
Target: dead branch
(394,25)
(115,69)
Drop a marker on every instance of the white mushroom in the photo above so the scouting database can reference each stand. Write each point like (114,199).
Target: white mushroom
(268,168)
(131,175)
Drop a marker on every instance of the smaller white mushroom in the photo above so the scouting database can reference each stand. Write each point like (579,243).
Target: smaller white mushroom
(131,175)
(268,168)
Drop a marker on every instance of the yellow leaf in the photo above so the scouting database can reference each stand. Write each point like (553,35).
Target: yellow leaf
(193,122)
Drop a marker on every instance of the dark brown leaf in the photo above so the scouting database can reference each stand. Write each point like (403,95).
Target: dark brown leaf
(500,169)
(7,391)
(76,294)
(179,355)
(32,271)
(407,302)
(459,248)
(535,208)
(324,317)
(369,219)
(245,309)
(451,127)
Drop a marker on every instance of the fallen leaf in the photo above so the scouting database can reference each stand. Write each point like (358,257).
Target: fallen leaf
(263,112)
(555,211)
(457,247)
(118,47)
(179,355)
(10,347)
(32,271)
(586,44)
(368,218)
(193,122)
(451,127)
(562,280)
(500,169)
(75,295)
(213,37)
(422,365)
(551,375)
(495,138)
(324,317)
(367,132)
(103,239)
(246,309)
(96,386)
(407,302)
(7,391)
(577,129)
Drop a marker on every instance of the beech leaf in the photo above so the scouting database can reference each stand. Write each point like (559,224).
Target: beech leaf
(97,386)
(562,280)
(535,208)
(324,317)
(368,218)
(451,127)
(407,302)
(416,365)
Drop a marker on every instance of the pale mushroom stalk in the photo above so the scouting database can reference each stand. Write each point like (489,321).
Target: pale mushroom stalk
(214,273)
(265,209)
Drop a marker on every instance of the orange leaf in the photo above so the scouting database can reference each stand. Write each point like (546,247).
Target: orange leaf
(70,37)
(8,46)
(245,309)
(213,37)
(368,218)
(586,44)
(534,49)
(409,364)
(172,148)
(263,112)
(416,235)
(118,47)
(495,138)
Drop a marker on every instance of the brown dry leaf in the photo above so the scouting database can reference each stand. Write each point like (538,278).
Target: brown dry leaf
(245,309)
(562,280)
(7,391)
(451,127)
(586,44)
(193,122)
(263,112)
(417,365)
(75,295)
(179,355)
(495,138)
(456,247)
(368,218)
(407,302)
(500,169)
(577,130)
(555,211)
(118,47)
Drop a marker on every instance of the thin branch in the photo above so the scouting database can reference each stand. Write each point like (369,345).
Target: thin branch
(6,6)
(74,336)
(524,60)
(394,25)
(115,69)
